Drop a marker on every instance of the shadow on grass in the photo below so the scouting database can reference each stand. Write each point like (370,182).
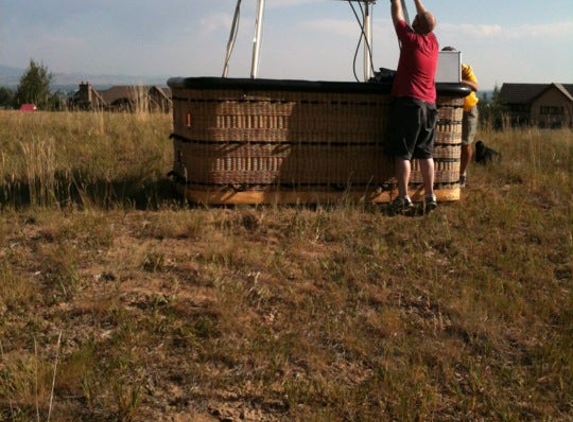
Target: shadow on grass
(65,191)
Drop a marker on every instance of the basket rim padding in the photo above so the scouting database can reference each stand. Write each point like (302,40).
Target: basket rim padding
(206,82)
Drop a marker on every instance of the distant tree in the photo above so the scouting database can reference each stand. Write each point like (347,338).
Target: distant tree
(34,86)
(6,97)
(491,109)
(58,100)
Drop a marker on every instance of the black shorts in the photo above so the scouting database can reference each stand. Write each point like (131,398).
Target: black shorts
(412,128)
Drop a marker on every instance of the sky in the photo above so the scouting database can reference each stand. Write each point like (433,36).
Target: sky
(525,41)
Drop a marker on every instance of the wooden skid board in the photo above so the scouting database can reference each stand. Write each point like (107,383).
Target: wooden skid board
(232,197)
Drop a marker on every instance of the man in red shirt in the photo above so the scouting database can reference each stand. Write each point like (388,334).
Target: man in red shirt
(414,115)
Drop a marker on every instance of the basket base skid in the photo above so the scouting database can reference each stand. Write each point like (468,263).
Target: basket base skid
(232,197)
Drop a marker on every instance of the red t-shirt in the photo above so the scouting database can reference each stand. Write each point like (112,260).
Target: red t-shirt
(416,72)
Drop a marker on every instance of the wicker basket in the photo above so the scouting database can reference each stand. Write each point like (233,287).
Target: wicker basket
(259,141)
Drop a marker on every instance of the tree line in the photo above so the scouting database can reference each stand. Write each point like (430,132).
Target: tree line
(491,110)
(33,88)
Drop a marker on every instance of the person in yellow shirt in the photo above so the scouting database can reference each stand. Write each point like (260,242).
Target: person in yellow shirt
(470,119)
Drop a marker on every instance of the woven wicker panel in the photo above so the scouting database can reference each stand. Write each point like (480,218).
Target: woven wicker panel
(450,152)
(336,166)
(333,166)
(232,164)
(450,109)
(448,132)
(287,116)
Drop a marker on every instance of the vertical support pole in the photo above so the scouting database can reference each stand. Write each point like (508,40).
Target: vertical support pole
(232,35)
(368,40)
(257,40)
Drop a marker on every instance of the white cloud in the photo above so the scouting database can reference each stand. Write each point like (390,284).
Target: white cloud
(344,28)
(558,30)
(215,22)
(287,3)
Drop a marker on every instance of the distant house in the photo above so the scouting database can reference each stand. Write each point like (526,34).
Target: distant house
(123,98)
(541,105)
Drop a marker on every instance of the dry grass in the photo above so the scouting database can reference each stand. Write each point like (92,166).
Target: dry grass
(169,312)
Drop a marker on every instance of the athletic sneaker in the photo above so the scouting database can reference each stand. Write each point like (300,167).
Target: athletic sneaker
(430,203)
(400,205)
(463,179)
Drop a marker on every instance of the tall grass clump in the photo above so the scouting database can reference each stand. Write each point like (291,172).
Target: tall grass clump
(83,159)
(335,312)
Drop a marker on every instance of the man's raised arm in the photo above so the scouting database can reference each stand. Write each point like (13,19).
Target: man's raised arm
(397,13)
(420,9)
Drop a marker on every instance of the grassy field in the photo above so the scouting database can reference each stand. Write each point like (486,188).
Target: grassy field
(118,302)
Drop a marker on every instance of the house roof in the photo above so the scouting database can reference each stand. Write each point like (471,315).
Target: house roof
(130,92)
(567,90)
(525,93)
(166,92)
(119,92)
